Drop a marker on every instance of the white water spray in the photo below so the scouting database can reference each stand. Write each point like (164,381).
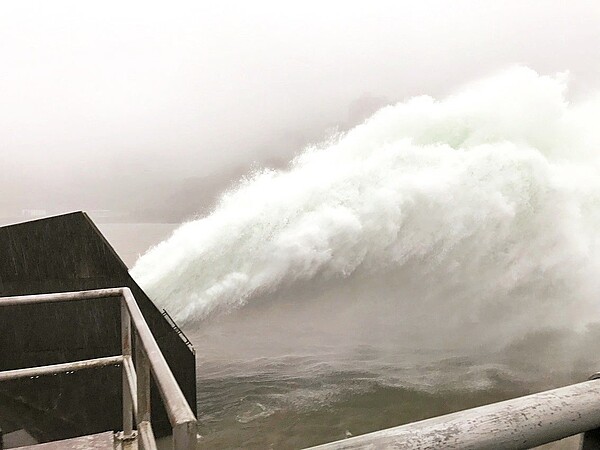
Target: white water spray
(484,207)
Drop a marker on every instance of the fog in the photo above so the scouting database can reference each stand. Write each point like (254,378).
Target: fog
(150,109)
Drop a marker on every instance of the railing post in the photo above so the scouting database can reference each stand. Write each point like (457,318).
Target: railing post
(126,351)
(142,369)
(184,436)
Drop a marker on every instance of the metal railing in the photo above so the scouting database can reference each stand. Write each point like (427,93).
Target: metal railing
(520,423)
(149,361)
(178,330)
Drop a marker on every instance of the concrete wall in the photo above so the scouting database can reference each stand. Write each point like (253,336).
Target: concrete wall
(68,253)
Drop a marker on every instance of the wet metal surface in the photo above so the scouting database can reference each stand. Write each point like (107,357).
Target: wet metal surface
(520,423)
(101,441)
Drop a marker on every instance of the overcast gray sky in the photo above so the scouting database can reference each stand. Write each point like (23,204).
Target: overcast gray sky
(114,105)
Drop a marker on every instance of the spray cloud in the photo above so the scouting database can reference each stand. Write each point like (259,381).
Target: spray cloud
(483,206)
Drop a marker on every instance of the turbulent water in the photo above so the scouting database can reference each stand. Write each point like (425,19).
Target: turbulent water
(442,254)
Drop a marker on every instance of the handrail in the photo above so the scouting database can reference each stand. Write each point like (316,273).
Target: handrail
(180,414)
(135,378)
(60,297)
(178,330)
(520,423)
(31,372)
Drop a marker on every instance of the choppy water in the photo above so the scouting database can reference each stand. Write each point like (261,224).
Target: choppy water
(285,389)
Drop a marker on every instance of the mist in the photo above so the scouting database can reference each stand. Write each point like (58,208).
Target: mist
(473,216)
(150,110)
(446,246)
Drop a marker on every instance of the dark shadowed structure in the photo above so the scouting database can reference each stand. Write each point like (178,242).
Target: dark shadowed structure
(61,254)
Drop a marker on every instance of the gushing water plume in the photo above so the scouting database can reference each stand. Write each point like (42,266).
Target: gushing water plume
(481,209)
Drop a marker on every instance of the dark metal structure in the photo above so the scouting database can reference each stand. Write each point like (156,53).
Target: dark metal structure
(61,254)
(137,372)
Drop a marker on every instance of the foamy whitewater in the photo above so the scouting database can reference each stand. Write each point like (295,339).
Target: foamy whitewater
(439,256)
(478,211)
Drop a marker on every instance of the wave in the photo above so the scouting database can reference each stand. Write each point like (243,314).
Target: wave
(483,207)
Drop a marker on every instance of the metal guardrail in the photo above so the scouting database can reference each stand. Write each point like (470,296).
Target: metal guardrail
(148,361)
(178,330)
(520,423)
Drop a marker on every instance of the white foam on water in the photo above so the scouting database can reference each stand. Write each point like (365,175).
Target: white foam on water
(487,203)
